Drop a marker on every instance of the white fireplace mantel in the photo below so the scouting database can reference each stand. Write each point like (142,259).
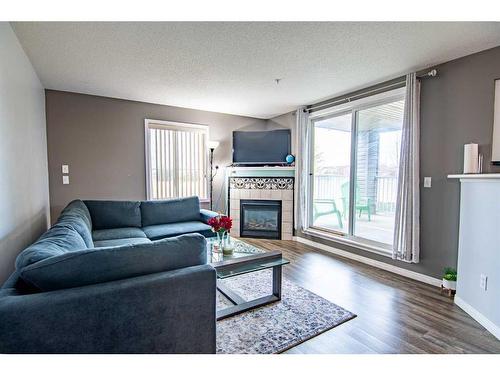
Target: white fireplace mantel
(476,176)
(259,171)
(264,168)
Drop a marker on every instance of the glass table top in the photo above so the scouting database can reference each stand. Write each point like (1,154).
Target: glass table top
(241,249)
(228,265)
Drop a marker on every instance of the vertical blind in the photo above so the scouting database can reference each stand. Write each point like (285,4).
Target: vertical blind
(177,161)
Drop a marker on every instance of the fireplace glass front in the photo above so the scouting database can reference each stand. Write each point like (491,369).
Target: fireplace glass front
(260,218)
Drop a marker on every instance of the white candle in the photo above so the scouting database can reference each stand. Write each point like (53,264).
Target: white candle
(471,162)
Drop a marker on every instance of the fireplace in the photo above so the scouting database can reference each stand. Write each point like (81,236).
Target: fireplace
(260,218)
(273,195)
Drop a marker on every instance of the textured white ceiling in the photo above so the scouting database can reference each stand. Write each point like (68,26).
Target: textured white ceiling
(231,67)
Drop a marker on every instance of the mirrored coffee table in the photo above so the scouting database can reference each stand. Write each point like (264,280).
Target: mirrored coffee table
(246,258)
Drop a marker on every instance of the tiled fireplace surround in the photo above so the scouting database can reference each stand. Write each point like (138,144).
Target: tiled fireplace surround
(262,188)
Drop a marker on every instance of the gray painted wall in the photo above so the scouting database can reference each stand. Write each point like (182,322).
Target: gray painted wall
(102,141)
(456,108)
(24,203)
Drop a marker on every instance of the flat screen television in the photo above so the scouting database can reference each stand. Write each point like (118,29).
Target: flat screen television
(261,147)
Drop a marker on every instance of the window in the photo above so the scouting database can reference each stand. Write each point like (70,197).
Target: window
(354,163)
(176,160)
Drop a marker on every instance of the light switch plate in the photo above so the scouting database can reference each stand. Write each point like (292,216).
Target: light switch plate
(65,168)
(427,182)
(65,180)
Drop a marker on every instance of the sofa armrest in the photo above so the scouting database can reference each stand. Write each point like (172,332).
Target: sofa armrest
(206,215)
(167,312)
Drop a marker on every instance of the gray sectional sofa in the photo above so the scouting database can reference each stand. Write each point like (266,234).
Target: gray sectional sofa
(114,277)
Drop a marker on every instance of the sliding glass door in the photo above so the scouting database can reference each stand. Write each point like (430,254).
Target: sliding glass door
(331,170)
(331,167)
(354,170)
(378,143)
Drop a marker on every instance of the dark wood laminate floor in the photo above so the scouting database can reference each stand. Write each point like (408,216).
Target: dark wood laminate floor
(395,314)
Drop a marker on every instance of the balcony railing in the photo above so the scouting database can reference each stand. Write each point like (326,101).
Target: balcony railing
(329,186)
(387,188)
(384,196)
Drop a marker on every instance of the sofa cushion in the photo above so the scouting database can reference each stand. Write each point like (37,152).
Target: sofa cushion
(116,233)
(79,208)
(77,223)
(121,242)
(58,240)
(114,214)
(206,215)
(77,215)
(156,232)
(100,265)
(11,281)
(170,211)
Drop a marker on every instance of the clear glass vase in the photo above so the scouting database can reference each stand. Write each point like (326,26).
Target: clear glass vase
(221,236)
(227,245)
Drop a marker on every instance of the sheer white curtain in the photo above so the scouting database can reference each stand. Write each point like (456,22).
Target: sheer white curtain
(302,169)
(407,225)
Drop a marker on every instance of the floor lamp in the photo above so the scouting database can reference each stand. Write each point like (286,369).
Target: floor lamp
(212,145)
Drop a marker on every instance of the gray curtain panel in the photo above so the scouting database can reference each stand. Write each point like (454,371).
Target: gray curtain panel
(302,170)
(407,225)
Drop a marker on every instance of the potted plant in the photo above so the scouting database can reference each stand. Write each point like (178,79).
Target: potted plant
(450,278)
(221,224)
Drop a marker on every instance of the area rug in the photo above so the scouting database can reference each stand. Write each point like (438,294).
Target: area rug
(274,328)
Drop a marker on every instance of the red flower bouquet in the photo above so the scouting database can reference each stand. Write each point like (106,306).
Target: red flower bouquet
(221,223)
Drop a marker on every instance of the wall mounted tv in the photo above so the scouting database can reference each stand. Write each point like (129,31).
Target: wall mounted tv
(261,147)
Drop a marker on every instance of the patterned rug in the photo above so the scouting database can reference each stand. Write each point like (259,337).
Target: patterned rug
(299,316)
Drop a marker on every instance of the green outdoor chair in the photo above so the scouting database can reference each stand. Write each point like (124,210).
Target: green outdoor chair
(322,207)
(361,204)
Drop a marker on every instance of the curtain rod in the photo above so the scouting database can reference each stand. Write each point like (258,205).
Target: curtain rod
(399,82)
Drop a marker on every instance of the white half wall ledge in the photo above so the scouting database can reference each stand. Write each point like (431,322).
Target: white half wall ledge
(478,317)
(372,262)
(475,176)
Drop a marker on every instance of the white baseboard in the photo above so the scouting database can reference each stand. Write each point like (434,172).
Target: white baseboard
(375,263)
(477,316)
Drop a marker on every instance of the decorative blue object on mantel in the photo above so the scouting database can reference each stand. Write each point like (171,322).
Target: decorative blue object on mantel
(290,159)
